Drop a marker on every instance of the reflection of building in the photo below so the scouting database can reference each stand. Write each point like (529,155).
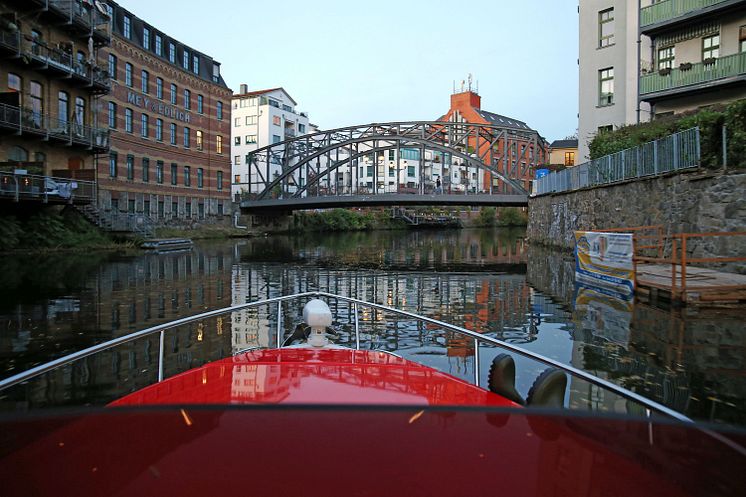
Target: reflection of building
(51,84)
(169,113)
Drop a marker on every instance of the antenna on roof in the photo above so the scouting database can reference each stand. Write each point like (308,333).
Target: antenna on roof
(454,86)
(477,86)
(469,79)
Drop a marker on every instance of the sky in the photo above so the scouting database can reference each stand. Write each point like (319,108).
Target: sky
(348,62)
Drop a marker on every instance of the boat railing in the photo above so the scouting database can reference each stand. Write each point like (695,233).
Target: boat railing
(478,340)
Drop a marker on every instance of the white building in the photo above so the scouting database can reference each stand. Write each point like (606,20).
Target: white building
(608,66)
(261,118)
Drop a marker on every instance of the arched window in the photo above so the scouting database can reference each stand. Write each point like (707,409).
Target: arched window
(80,111)
(17,154)
(15,85)
(37,103)
(40,157)
(63,109)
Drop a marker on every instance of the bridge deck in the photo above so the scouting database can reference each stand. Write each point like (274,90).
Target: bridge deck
(388,199)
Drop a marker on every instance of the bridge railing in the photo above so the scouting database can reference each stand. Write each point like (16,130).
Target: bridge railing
(675,152)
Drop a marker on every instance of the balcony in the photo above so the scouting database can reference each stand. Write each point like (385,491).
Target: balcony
(55,61)
(28,122)
(46,189)
(82,18)
(665,14)
(699,76)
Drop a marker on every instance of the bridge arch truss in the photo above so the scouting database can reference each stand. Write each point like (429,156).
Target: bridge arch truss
(444,157)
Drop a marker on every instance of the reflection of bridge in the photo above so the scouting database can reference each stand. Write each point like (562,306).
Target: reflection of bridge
(403,163)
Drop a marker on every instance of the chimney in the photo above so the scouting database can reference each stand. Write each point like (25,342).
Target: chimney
(244,89)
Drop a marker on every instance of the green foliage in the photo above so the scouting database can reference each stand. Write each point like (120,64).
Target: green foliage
(512,216)
(338,220)
(710,122)
(487,216)
(50,229)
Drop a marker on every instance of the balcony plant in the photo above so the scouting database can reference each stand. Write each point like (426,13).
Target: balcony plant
(665,71)
(685,66)
(709,61)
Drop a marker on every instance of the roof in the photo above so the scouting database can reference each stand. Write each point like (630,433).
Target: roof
(564,143)
(256,93)
(502,120)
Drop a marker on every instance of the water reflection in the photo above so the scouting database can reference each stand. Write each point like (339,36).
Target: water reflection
(489,281)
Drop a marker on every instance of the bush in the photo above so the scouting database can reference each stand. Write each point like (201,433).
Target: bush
(511,216)
(710,122)
(487,216)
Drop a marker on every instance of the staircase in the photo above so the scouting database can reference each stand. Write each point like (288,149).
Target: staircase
(117,222)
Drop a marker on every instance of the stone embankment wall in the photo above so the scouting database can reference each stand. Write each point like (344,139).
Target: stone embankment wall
(682,203)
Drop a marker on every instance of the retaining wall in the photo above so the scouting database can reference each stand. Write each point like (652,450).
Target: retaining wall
(682,203)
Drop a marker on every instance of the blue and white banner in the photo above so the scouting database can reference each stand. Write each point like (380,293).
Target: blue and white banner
(605,259)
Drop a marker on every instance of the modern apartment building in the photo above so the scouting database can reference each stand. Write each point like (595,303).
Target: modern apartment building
(261,118)
(697,54)
(169,117)
(645,59)
(608,64)
(50,87)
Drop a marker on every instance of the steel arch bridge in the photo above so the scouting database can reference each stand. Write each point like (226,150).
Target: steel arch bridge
(398,163)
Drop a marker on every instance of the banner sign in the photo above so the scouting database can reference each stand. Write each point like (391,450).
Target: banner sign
(605,259)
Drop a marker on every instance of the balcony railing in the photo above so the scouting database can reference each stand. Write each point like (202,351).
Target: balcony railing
(85,15)
(671,9)
(45,188)
(692,74)
(25,120)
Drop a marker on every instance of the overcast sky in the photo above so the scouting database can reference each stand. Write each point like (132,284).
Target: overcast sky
(348,62)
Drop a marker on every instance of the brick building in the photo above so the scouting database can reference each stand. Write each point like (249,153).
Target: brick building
(50,86)
(526,148)
(169,116)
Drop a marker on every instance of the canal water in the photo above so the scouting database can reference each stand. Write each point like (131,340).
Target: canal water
(488,280)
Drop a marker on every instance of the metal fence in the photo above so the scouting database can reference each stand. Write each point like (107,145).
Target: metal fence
(45,188)
(672,153)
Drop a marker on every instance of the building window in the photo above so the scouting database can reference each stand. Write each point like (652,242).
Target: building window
(219,181)
(276,139)
(187,99)
(159,172)
(128,120)
(237,140)
(173,133)
(606,129)
(606,28)
(200,177)
(112,66)
(195,64)
(145,170)
(711,47)
(237,179)
(606,87)
(113,164)
(173,94)
(188,206)
(37,103)
(200,104)
(666,57)
(174,174)
(145,80)
(199,139)
(79,111)
(410,170)
(219,144)
(220,111)
(159,130)
(158,45)
(187,137)
(250,119)
(128,74)
(127,28)
(130,167)
(112,115)
(250,139)
(236,122)
(172,53)
(237,160)
(146,38)
(159,88)
(63,110)
(569,159)
(301,128)
(276,120)
(144,126)
(185,60)
(187,176)
(742,39)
